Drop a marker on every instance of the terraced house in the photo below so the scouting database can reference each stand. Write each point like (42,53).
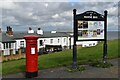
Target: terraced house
(48,42)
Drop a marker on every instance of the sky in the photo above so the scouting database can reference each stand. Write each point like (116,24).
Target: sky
(51,14)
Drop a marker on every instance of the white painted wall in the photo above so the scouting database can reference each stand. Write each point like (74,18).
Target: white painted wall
(63,41)
(1,46)
(18,43)
(7,50)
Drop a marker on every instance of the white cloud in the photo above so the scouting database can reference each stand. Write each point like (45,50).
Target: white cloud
(8,5)
(46,5)
(56,15)
(35,0)
(67,13)
(35,17)
(30,14)
(98,0)
(113,10)
(60,0)
(11,19)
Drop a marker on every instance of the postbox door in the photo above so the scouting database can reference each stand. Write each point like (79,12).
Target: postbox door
(32,58)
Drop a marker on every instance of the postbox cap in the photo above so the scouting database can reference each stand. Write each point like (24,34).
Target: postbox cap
(31,37)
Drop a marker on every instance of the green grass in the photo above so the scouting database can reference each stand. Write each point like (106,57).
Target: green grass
(64,58)
(100,64)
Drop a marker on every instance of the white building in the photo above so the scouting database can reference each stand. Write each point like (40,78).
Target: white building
(48,41)
(7,43)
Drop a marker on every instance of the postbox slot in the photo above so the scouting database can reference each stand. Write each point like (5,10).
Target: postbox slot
(32,44)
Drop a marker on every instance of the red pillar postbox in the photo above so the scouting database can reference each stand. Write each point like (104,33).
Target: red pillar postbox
(31,56)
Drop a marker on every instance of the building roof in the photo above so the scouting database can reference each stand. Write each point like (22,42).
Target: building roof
(20,35)
(6,38)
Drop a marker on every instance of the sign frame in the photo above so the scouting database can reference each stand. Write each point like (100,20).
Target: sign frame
(89,16)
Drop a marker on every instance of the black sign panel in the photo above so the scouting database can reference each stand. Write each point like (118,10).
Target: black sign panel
(89,26)
(90,16)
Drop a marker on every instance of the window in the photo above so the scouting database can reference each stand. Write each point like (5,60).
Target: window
(6,45)
(41,42)
(85,45)
(94,44)
(21,43)
(51,40)
(10,45)
(58,40)
(64,40)
(44,40)
(90,44)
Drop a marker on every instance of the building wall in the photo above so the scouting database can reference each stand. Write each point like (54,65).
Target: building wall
(6,49)
(63,41)
(18,43)
(1,46)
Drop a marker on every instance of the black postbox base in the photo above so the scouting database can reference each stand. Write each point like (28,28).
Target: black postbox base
(31,74)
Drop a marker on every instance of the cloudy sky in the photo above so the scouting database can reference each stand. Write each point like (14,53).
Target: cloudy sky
(52,15)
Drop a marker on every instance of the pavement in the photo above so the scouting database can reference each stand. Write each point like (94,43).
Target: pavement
(90,72)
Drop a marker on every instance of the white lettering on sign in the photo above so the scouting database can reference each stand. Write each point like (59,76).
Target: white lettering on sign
(90,17)
(87,16)
(95,17)
(32,50)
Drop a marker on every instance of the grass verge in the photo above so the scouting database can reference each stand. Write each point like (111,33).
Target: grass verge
(64,58)
(101,64)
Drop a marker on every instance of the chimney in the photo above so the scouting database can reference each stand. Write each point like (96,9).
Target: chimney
(7,28)
(39,31)
(9,31)
(30,30)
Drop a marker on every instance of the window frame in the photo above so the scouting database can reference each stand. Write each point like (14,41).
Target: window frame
(40,42)
(51,41)
(58,40)
(64,40)
(22,44)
